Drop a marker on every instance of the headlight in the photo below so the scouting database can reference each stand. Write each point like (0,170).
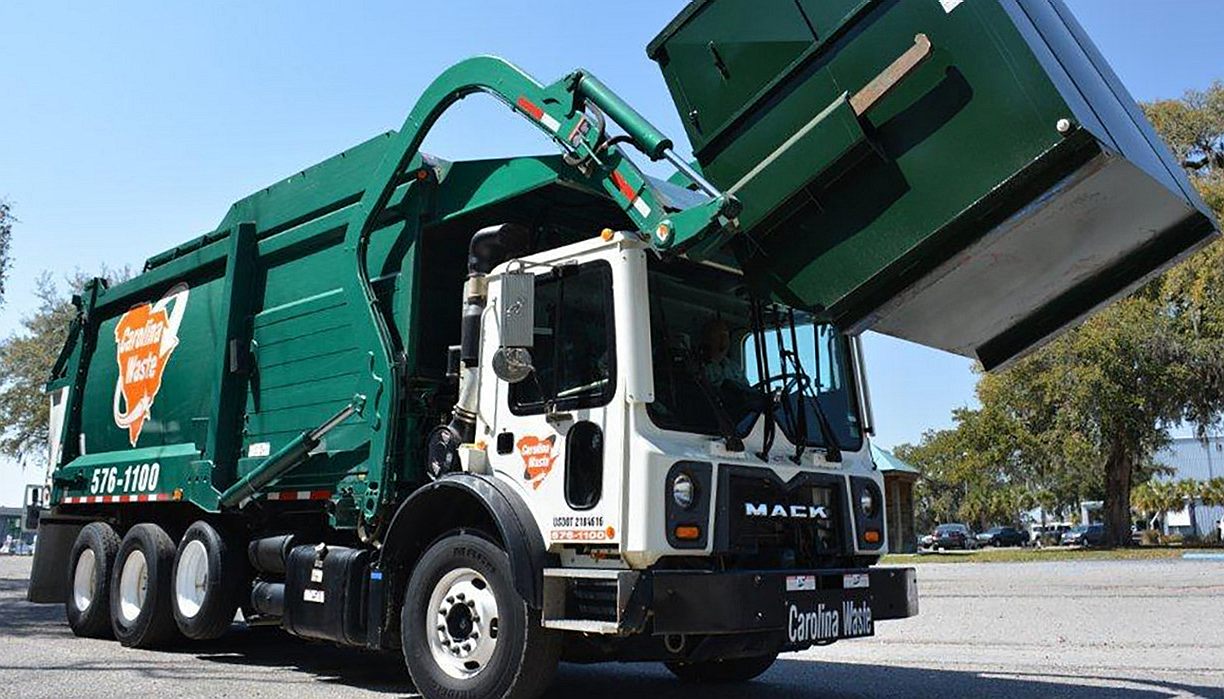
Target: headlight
(684,490)
(867,502)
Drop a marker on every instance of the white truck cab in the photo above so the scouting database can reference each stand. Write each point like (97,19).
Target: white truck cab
(667,421)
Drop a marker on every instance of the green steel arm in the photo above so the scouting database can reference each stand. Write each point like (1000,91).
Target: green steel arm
(568,111)
(561,110)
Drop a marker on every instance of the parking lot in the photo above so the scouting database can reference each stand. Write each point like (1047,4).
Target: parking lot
(1087,629)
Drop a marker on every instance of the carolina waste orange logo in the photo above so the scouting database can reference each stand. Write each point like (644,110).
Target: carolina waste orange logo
(145,337)
(537,458)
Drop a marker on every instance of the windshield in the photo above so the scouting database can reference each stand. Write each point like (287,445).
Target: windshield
(706,361)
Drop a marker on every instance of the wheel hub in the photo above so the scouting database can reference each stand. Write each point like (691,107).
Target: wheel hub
(84,579)
(133,586)
(461,623)
(191,579)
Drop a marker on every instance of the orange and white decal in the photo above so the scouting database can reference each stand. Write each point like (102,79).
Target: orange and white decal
(145,337)
(534,111)
(630,194)
(538,458)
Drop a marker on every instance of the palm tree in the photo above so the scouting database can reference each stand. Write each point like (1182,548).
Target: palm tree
(1156,498)
(1188,490)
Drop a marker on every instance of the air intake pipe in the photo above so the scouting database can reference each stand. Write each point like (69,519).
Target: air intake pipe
(489,247)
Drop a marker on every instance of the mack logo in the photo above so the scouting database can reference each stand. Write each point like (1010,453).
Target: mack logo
(790,512)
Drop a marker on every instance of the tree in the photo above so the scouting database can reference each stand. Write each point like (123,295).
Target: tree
(6,239)
(1212,492)
(969,474)
(1156,498)
(26,358)
(1193,128)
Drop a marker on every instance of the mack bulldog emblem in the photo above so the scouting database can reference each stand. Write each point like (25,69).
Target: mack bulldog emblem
(145,337)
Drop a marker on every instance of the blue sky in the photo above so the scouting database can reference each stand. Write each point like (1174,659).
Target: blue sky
(126,128)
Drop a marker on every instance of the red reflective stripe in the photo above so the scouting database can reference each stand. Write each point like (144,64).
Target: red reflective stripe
(623,185)
(299,495)
(528,106)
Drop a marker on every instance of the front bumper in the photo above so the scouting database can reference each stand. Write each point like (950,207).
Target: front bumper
(799,608)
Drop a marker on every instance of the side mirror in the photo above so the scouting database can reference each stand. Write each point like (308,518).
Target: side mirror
(512,361)
(517,310)
(33,508)
(512,364)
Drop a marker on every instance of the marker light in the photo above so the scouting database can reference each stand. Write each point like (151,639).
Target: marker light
(688,533)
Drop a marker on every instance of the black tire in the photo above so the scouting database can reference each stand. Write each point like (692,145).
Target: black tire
(147,622)
(723,671)
(222,579)
(89,613)
(525,656)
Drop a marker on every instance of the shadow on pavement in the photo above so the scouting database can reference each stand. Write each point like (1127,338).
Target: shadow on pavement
(384,673)
(788,678)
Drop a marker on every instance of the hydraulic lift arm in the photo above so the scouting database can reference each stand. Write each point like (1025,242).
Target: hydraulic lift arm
(573,112)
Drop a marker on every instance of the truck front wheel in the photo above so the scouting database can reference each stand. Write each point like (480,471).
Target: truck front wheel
(89,572)
(140,588)
(723,671)
(467,632)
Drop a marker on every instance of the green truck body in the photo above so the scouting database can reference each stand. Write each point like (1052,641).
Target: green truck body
(967,175)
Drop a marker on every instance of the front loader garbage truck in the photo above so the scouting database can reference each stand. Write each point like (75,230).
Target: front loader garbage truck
(496,414)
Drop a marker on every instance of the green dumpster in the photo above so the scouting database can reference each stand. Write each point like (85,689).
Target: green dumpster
(969,175)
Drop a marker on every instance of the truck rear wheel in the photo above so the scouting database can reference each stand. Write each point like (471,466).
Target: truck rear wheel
(723,671)
(140,588)
(209,574)
(87,601)
(467,632)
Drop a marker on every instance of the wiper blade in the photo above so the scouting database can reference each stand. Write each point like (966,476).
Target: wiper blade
(725,427)
(832,450)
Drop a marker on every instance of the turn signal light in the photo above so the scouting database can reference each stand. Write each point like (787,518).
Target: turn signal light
(872,536)
(688,533)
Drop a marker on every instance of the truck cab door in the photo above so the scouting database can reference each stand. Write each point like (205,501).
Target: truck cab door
(558,434)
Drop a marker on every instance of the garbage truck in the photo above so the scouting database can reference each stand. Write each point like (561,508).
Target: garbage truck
(497,414)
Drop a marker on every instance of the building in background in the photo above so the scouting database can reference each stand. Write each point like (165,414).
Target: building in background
(10,529)
(1193,459)
(899,479)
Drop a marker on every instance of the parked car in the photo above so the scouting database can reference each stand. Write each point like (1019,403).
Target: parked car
(1085,535)
(1002,536)
(1049,534)
(953,536)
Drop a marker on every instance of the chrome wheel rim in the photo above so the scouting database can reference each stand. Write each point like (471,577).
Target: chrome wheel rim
(191,579)
(133,586)
(83,580)
(461,623)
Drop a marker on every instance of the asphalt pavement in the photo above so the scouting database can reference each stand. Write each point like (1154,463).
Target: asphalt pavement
(1089,630)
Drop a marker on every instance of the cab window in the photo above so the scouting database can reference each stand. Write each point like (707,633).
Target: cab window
(573,349)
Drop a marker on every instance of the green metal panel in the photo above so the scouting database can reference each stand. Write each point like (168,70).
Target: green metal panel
(858,212)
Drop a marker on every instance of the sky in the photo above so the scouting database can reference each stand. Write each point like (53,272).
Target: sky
(126,128)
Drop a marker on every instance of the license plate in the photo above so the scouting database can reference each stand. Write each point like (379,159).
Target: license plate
(818,617)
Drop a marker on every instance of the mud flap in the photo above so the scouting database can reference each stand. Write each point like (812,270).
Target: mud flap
(55,539)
